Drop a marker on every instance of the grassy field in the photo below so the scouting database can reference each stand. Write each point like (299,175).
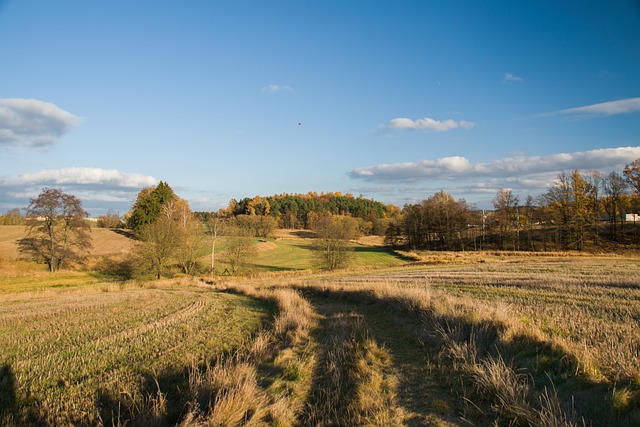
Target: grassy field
(292,252)
(452,339)
(83,356)
(105,241)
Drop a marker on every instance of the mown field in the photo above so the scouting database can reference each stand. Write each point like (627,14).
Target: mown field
(452,339)
(92,354)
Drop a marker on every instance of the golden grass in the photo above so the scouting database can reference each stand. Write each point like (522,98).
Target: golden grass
(517,339)
(515,331)
(105,241)
(228,392)
(102,354)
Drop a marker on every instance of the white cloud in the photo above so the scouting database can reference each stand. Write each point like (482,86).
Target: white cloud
(508,77)
(623,106)
(276,88)
(33,123)
(428,124)
(89,176)
(97,188)
(520,168)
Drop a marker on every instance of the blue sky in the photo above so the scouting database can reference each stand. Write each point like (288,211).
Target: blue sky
(391,100)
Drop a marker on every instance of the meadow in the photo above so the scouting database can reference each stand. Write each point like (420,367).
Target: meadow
(447,339)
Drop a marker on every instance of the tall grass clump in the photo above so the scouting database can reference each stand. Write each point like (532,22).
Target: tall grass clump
(351,387)
(474,344)
(233,390)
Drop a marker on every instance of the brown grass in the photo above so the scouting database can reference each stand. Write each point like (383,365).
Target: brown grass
(105,241)
(228,392)
(515,331)
(113,354)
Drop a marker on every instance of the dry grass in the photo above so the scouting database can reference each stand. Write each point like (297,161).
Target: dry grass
(517,340)
(105,241)
(229,392)
(515,331)
(108,354)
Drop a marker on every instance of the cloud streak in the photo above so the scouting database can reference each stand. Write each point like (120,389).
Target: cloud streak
(457,168)
(508,77)
(611,108)
(33,123)
(427,124)
(94,186)
(88,176)
(272,88)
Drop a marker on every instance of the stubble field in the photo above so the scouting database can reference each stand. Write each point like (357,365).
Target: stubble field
(452,340)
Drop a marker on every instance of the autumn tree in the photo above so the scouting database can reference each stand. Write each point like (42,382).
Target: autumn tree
(257,225)
(58,233)
(110,220)
(558,198)
(190,244)
(332,249)
(581,212)
(505,215)
(216,227)
(157,247)
(631,173)
(596,180)
(169,233)
(615,187)
(11,217)
(239,248)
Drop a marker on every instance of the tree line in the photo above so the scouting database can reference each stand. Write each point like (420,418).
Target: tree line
(579,210)
(301,211)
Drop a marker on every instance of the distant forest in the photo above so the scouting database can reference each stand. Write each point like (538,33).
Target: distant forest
(580,211)
(301,210)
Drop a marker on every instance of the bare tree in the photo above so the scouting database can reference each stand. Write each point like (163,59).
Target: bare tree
(57,231)
(614,188)
(239,248)
(217,226)
(158,246)
(332,245)
(506,215)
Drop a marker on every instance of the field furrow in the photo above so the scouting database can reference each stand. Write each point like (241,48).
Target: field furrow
(82,363)
(167,320)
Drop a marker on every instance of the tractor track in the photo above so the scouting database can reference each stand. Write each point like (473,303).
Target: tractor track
(418,397)
(175,317)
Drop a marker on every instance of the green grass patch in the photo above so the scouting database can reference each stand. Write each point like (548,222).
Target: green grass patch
(297,254)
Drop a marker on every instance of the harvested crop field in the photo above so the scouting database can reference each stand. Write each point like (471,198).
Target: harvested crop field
(82,357)
(507,341)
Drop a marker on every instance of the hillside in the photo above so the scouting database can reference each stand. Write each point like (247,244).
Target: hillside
(105,241)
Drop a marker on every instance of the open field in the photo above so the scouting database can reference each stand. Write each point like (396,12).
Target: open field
(105,241)
(96,353)
(452,339)
(295,253)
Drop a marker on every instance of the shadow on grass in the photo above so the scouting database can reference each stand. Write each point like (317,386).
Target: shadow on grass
(12,411)
(7,392)
(303,234)
(165,399)
(364,250)
(272,268)
(126,233)
(549,366)
(332,396)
